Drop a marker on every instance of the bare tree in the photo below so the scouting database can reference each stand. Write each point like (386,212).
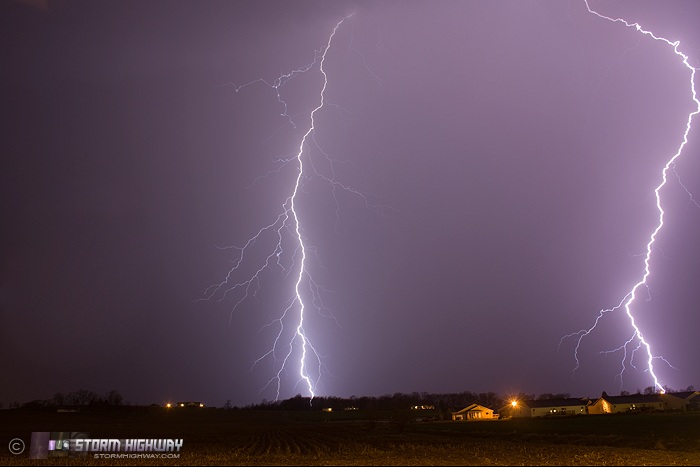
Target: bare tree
(58,399)
(114,397)
(85,397)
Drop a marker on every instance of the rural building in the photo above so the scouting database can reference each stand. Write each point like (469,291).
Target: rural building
(687,400)
(548,407)
(475,412)
(623,404)
(189,404)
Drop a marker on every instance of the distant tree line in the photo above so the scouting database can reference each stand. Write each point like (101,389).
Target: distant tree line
(396,401)
(403,401)
(81,397)
(654,390)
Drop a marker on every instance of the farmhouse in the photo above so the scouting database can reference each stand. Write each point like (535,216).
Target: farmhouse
(549,407)
(189,404)
(622,404)
(475,412)
(687,400)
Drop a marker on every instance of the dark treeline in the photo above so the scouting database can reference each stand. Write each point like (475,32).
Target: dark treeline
(397,401)
(403,401)
(81,397)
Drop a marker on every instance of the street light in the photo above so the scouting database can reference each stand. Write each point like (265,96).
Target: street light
(513,407)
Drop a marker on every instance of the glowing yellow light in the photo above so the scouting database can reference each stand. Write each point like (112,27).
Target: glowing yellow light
(182,405)
(514,403)
(201,405)
(168,405)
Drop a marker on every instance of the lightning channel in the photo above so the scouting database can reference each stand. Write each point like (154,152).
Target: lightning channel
(287,227)
(670,166)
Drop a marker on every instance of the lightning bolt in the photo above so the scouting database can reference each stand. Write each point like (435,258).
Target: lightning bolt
(288,225)
(628,300)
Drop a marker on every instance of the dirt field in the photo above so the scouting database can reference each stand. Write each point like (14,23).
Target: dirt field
(240,437)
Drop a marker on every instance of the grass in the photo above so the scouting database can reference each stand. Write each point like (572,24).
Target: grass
(240,437)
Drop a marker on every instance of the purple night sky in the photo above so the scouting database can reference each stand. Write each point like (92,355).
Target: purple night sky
(512,147)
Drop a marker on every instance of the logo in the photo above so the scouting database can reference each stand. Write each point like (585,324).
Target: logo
(16,446)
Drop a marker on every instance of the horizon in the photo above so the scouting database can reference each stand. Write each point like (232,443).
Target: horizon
(414,396)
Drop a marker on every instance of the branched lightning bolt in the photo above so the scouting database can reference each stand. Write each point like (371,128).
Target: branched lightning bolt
(630,297)
(287,226)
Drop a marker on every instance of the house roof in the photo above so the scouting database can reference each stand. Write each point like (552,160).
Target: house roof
(542,403)
(632,399)
(473,407)
(684,394)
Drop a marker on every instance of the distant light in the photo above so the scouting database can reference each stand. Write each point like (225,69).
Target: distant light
(201,405)
(514,403)
(168,405)
(182,405)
